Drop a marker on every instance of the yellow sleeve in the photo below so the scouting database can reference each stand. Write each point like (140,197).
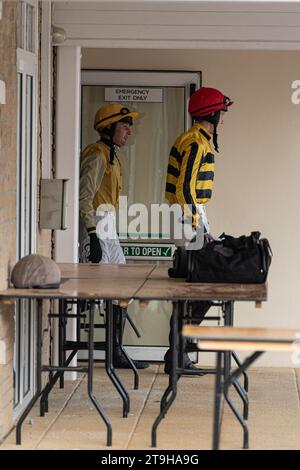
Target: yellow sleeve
(187,181)
(92,170)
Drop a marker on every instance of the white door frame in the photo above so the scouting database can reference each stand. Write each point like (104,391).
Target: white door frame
(67,153)
(67,149)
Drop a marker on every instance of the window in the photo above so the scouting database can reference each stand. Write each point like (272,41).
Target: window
(26,26)
(26,195)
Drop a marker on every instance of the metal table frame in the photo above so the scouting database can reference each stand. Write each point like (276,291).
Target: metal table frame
(69,291)
(179,292)
(75,346)
(222,340)
(40,368)
(177,370)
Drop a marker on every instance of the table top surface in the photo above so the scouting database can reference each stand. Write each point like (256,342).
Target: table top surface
(106,288)
(145,282)
(100,271)
(179,289)
(159,272)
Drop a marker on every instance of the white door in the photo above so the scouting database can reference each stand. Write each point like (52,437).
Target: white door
(161,98)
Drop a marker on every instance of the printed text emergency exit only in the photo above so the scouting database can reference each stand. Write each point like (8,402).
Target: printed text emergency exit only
(137,94)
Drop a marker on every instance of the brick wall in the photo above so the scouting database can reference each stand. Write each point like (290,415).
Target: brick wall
(8,113)
(8,181)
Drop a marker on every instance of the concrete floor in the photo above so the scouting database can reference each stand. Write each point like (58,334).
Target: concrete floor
(73,423)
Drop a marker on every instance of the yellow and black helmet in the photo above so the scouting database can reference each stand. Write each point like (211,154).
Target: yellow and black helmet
(110,113)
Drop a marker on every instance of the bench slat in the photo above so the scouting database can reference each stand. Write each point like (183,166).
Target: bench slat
(228,338)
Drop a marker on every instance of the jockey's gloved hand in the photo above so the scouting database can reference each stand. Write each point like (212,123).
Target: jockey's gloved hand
(211,238)
(95,249)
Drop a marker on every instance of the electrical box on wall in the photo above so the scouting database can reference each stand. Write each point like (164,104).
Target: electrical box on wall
(53,204)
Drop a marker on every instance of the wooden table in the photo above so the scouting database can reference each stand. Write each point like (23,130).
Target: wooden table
(165,288)
(120,286)
(105,271)
(82,288)
(141,282)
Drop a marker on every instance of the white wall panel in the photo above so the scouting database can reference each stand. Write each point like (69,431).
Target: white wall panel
(186,24)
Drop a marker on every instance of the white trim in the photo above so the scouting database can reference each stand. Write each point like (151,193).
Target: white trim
(181,24)
(27,66)
(46,90)
(67,158)
(211,45)
(141,78)
(26,62)
(68,147)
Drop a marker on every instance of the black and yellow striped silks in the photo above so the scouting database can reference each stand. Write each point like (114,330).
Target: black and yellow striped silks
(191,170)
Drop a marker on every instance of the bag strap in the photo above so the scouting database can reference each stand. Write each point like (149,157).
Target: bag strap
(255,236)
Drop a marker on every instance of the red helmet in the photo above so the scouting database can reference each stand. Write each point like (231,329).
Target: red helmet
(207,101)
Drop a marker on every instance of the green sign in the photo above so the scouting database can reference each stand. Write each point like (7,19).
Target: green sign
(147,251)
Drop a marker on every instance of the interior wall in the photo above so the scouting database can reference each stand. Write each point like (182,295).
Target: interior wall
(258,168)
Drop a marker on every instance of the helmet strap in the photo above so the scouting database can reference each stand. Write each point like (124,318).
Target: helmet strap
(215,138)
(215,119)
(107,136)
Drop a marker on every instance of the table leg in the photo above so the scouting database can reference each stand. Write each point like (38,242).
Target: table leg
(217,402)
(62,306)
(90,374)
(47,389)
(39,345)
(245,375)
(224,388)
(242,392)
(109,360)
(62,360)
(128,359)
(228,321)
(171,391)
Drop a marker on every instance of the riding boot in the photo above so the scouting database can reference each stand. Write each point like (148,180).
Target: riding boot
(119,354)
(199,310)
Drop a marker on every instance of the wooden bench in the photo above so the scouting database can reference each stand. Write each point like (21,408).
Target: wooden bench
(227,338)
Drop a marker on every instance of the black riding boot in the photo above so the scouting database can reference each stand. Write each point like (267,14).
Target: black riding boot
(199,310)
(119,354)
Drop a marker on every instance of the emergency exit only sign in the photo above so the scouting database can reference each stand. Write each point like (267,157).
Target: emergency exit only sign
(134,94)
(148,251)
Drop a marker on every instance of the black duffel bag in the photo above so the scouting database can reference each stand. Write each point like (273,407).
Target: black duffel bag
(245,259)
(181,263)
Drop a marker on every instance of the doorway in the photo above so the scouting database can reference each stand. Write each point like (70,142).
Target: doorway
(161,99)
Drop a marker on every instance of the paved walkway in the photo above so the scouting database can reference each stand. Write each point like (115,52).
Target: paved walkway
(72,422)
